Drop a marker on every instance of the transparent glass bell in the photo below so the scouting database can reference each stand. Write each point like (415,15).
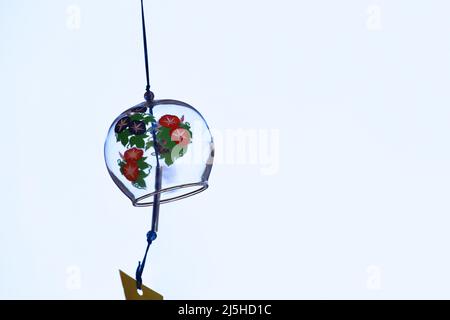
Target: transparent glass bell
(159,147)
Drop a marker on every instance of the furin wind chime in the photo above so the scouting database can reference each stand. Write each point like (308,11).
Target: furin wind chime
(156,152)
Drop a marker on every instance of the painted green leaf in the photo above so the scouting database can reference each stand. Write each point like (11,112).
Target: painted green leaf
(163,134)
(168,161)
(120,162)
(143,174)
(140,183)
(141,136)
(124,133)
(137,117)
(123,137)
(170,144)
(168,158)
(124,141)
(185,125)
(142,164)
(148,119)
(140,143)
(148,145)
(132,141)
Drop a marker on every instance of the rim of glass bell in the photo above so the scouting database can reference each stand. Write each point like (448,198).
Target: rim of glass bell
(194,187)
(202,187)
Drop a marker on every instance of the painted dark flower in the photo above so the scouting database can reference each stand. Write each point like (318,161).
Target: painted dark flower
(137,127)
(139,109)
(122,124)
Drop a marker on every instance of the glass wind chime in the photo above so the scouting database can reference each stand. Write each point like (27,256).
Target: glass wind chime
(156,152)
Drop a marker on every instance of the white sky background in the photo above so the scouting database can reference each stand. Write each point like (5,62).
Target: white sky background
(357,91)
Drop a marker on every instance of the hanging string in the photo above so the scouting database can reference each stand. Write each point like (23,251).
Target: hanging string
(151,235)
(148,94)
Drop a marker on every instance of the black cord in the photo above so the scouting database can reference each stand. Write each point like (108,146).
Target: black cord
(148,94)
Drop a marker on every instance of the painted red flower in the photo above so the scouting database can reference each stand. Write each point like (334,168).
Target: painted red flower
(133,154)
(169,121)
(180,136)
(131,171)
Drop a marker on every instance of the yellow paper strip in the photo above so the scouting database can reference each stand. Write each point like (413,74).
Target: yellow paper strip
(131,293)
